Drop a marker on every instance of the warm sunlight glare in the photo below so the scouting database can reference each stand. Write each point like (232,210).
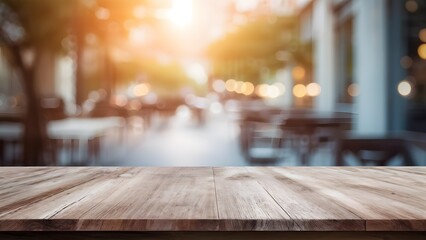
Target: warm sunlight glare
(181,13)
(137,35)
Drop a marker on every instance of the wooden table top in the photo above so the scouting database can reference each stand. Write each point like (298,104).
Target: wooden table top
(213,199)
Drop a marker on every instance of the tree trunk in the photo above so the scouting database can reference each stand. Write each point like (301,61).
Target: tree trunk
(35,131)
(35,135)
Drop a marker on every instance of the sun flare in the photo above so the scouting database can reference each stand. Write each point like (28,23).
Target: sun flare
(181,13)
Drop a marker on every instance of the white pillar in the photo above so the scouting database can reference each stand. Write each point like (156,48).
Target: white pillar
(284,76)
(65,82)
(324,55)
(370,66)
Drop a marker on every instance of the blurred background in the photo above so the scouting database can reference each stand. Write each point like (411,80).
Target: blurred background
(212,83)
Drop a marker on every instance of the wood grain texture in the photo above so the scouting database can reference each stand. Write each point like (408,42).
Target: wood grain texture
(244,235)
(243,204)
(213,199)
(370,193)
(309,209)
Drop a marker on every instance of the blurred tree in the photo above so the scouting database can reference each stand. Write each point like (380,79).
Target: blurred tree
(256,49)
(106,22)
(27,28)
(166,78)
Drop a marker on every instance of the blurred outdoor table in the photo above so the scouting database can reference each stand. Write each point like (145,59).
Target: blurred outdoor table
(227,202)
(382,149)
(82,130)
(315,127)
(11,116)
(307,126)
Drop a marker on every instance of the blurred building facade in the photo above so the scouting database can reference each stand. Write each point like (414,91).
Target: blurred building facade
(366,59)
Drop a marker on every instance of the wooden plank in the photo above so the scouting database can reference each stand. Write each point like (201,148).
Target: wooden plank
(382,210)
(385,181)
(47,207)
(244,205)
(134,199)
(244,235)
(163,199)
(213,199)
(310,209)
(35,184)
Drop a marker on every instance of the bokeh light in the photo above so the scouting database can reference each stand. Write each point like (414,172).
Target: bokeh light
(405,88)
(422,51)
(239,87)
(141,89)
(353,90)
(219,86)
(411,6)
(269,91)
(102,13)
(313,89)
(299,90)
(120,100)
(422,35)
(262,90)
(231,85)
(247,88)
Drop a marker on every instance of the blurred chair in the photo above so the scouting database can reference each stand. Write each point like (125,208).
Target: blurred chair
(373,151)
(103,108)
(261,142)
(11,129)
(53,108)
(166,106)
(261,139)
(313,130)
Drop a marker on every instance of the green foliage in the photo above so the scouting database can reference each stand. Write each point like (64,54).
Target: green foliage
(165,78)
(251,52)
(45,22)
(257,39)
